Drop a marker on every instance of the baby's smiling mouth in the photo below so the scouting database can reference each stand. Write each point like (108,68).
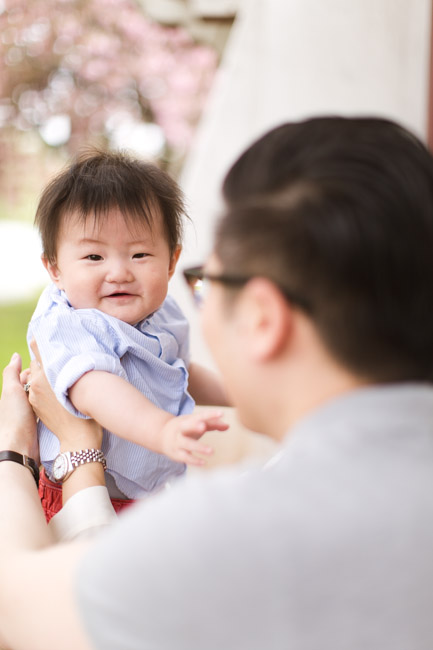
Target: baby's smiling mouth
(119,294)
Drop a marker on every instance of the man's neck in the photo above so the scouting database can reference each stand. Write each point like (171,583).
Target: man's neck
(310,378)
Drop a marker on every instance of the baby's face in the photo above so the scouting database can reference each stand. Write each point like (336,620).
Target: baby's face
(121,271)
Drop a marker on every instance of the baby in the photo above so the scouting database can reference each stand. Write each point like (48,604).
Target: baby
(114,346)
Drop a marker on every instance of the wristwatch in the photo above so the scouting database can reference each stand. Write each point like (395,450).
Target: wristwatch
(22,459)
(64,464)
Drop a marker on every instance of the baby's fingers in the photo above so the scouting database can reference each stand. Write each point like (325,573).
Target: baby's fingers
(192,446)
(213,421)
(216,424)
(189,449)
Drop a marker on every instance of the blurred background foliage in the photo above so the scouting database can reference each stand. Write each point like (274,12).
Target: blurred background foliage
(13,328)
(92,72)
(80,70)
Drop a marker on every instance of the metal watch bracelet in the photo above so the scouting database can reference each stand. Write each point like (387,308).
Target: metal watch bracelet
(22,459)
(66,462)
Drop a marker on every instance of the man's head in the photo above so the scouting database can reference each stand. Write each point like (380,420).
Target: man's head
(338,212)
(111,230)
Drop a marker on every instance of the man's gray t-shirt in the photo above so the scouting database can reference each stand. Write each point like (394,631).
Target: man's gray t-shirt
(328,547)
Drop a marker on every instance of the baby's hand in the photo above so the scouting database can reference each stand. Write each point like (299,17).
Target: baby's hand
(181,434)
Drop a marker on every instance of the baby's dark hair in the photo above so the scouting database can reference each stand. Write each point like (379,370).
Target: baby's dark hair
(97,181)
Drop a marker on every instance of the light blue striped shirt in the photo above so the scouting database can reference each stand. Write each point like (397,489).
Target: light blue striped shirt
(153,356)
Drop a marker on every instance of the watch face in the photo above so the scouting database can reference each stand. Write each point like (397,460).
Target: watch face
(60,467)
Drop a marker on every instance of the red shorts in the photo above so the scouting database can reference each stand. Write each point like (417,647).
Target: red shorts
(51,497)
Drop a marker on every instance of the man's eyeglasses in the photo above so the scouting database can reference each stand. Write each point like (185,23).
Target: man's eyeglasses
(197,280)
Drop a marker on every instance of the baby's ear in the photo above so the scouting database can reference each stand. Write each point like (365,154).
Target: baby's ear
(53,270)
(174,260)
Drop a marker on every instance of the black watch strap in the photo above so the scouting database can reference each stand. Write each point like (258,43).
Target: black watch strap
(22,459)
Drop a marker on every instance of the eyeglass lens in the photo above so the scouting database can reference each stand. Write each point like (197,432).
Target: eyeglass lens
(197,288)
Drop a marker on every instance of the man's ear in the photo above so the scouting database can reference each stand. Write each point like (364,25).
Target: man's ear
(268,319)
(174,260)
(53,271)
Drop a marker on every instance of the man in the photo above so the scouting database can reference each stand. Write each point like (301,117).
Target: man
(319,316)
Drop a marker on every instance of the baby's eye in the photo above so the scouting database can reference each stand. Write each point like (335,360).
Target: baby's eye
(139,256)
(94,258)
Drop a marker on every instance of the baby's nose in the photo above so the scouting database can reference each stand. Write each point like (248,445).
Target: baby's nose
(119,272)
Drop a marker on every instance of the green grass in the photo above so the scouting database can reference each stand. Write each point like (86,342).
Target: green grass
(14,319)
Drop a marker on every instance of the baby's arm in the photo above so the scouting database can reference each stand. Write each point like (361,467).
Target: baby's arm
(205,386)
(122,409)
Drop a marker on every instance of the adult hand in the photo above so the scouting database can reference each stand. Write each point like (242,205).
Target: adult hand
(17,420)
(24,533)
(74,433)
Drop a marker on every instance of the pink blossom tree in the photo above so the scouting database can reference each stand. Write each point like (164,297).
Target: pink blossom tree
(95,64)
